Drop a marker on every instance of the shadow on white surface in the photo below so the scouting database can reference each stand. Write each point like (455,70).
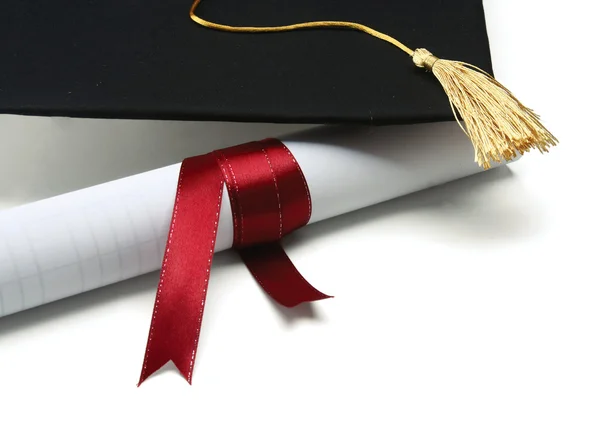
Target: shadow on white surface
(43,157)
(290,315)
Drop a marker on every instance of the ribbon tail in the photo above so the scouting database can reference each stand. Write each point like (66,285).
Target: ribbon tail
(277,275)
(181,293)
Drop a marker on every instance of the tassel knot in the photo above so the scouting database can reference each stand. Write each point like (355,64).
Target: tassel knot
(424,59)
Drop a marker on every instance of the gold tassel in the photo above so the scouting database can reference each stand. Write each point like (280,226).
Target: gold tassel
(499,126)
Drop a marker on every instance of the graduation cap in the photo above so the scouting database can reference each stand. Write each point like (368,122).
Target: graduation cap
(262,60)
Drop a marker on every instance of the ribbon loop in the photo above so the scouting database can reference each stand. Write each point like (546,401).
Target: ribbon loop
(269,198)
(268,193)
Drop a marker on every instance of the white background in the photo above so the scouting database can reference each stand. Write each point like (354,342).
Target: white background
(470,308)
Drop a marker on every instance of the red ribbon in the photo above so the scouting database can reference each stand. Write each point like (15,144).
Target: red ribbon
(269,199)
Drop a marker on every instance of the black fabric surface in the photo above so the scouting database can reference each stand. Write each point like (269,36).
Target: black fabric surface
(147,59)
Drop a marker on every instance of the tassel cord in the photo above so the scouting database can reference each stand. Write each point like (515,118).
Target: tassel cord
(298,26)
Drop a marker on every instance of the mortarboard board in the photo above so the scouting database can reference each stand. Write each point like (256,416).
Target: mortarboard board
(147,59)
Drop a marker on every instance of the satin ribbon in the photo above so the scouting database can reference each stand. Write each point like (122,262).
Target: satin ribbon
(269,198)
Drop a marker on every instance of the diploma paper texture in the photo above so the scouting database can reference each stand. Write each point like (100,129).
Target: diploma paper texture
(97,236)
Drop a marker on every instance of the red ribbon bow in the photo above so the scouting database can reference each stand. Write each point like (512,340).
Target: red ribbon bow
(269,198)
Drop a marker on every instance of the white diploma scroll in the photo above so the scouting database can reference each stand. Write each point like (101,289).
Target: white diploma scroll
(97,236)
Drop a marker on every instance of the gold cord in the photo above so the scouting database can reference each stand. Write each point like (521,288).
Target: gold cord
(307,25)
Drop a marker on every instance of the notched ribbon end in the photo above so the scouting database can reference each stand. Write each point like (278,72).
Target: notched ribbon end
(185,370)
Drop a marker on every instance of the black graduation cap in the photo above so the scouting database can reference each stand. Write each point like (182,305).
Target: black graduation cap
(148,59)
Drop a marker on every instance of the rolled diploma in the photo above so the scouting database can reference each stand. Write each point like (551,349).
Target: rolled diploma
(93,237)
